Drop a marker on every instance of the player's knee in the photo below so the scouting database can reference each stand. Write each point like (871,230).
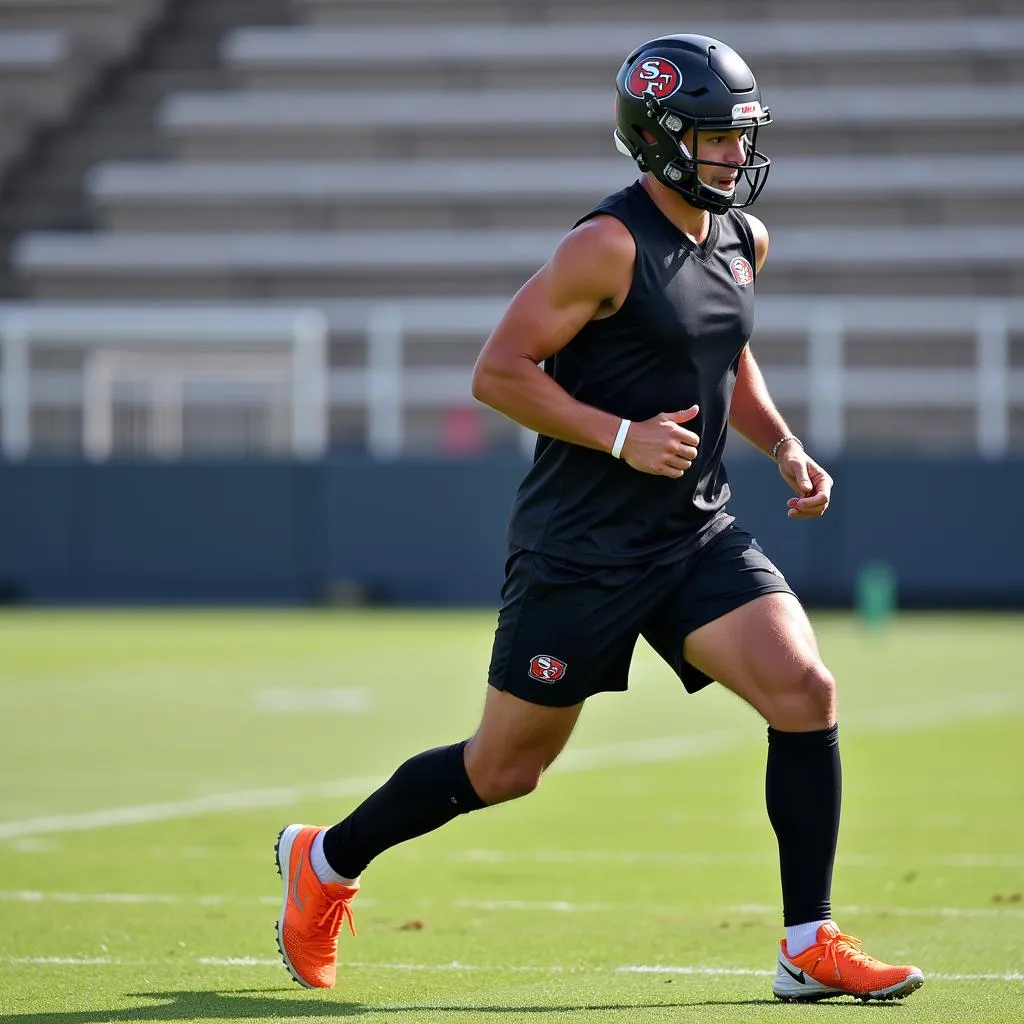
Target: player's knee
(807,701)
(510,782)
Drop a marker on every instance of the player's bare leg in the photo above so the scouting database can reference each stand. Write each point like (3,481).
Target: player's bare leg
(514,744)
(320,867)
(765,652)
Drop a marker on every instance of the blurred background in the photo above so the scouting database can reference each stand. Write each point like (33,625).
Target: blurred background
(251,248)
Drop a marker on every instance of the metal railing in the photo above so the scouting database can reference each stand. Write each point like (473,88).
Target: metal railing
(157,350)
(149,352)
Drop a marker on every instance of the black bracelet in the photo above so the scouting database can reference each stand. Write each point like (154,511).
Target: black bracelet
(781,441)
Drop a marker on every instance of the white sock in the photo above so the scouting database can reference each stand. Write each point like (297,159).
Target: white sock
(798,936)
(323,870)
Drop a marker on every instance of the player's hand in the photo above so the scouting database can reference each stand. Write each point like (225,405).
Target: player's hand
(808,480)
(661,445)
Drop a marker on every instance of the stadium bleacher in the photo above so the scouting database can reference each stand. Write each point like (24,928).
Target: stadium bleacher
(51,52)
(394,150)
(314,264)
(380,124)
(110,27)
(374,195)
(579,56)
(666,14)
(39,78)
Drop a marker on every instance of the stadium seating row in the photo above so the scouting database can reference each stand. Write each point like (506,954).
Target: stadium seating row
(379,124)
(367,195)
(247,264)
(586,55)
(105,26)
(51,52)
(462,12)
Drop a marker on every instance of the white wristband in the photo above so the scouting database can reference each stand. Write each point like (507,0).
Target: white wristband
(620,438)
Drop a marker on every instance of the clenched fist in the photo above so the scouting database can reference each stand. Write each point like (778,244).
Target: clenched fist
(662,445)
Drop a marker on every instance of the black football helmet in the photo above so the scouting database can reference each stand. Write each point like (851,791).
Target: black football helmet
(674,83)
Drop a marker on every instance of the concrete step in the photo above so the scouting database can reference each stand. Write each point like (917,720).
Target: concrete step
(781,213)
(823,260)
(153,84)
(294,196)
(113,142)
(432,12)
(53,211)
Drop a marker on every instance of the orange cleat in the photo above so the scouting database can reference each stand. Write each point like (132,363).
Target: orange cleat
(311,913)
(836,966)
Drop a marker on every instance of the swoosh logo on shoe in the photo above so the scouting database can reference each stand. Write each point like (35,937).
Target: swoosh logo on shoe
(796,977)
(295,884)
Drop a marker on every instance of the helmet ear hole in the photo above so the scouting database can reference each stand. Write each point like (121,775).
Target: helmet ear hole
(646,137)
(622,146)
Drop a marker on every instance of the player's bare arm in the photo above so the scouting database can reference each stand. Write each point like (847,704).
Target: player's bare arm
(753,414)
(587,277)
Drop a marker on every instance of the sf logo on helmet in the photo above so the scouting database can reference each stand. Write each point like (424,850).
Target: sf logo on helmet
(654,76)
(547,669)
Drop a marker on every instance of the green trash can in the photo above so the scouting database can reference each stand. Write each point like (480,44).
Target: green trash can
(876,593)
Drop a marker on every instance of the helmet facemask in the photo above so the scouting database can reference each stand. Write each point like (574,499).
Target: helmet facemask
(667,157)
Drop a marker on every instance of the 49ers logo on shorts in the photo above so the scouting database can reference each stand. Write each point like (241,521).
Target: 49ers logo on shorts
(547,669)
(654,76)
(742,271)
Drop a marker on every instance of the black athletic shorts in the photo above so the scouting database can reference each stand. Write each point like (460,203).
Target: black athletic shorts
(567,630)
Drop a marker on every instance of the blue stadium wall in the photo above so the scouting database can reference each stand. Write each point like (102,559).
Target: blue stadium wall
(430,532)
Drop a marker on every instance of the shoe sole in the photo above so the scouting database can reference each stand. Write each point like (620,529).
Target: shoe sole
(900,991)
(283,855)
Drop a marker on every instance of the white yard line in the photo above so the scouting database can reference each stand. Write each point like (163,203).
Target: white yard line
(69,961)
(688,969)
(218,803)
(548,906)
(710,858)
(565,907)
(248,961)
(651,751)
(843,910)
(134,898)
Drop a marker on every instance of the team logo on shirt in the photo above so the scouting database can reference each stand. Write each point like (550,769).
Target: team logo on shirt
(654,76)
(547,669)
(742,271)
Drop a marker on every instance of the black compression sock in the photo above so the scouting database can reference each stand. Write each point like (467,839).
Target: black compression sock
(424,793)
(803,789)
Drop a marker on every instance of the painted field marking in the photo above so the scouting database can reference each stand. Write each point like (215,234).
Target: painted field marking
(854,910)
(651,751)
(705,858)
(549,906)
(135,898)
(688,969)
(217,803)
(682,969)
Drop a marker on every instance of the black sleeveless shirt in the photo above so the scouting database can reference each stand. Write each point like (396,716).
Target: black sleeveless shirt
(674,342)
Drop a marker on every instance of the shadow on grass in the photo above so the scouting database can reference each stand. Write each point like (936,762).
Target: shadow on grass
(261,1004)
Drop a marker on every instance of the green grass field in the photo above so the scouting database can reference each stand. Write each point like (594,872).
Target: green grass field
(150,758)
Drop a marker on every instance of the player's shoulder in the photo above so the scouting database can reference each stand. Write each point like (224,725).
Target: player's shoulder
(756,224)
(760,233)
(604,235)
(600,248)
